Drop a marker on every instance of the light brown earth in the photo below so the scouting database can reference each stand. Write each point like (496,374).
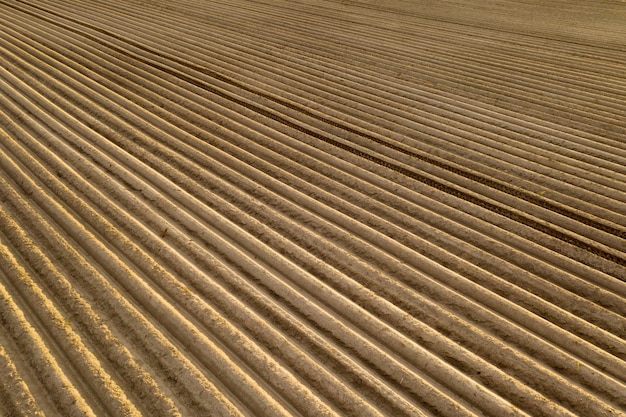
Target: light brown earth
(276,208)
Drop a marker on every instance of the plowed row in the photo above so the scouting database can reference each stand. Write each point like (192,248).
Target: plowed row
(312,208)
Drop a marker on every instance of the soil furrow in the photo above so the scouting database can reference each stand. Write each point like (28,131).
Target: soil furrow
(257,272)
(87,320)
(465,48)
(205,403)
(64,396)
(109,398)
(567,238)
(16,398)
(255,207)
(333,40)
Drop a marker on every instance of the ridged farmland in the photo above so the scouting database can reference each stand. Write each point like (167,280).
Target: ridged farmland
(312,208)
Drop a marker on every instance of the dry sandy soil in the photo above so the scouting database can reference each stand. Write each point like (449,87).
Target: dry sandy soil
(312,208)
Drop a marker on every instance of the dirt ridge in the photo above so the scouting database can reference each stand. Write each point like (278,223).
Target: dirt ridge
(217,208)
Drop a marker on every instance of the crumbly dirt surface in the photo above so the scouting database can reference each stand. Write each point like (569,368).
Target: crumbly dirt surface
(312,208)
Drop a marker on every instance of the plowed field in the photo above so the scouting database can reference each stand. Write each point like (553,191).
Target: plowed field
(312,208)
